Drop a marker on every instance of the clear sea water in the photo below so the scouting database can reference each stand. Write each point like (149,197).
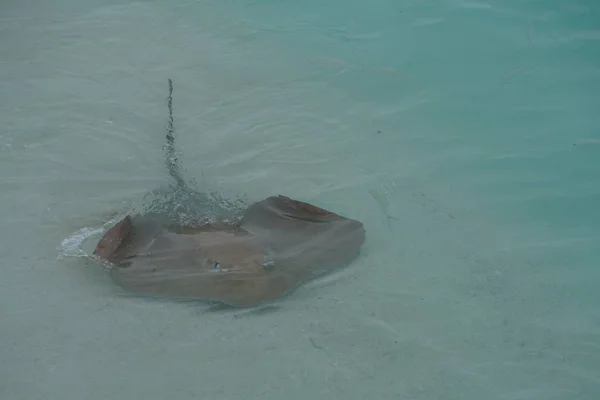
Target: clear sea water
(464,134)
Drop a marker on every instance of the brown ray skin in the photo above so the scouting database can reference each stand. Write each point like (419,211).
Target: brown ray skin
(279,244)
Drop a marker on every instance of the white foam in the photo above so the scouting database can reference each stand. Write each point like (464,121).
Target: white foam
(72,246)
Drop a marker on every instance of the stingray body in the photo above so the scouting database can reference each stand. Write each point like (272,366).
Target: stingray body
(278,244)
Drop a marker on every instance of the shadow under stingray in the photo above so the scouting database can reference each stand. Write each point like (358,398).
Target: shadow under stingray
(192,245)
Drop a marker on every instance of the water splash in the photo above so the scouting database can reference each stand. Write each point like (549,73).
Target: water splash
(189,207)
(72,246)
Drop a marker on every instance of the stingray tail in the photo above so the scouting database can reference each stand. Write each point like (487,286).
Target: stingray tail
(170,157)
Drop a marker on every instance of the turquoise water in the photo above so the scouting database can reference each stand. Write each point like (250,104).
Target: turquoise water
(463,134)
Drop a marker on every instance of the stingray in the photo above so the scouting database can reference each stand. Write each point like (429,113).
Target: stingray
(276,245)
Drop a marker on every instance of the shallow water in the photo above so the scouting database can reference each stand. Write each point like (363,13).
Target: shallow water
(463,134)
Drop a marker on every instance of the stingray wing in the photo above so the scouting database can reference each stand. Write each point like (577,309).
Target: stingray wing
(116,237)
(305,240)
